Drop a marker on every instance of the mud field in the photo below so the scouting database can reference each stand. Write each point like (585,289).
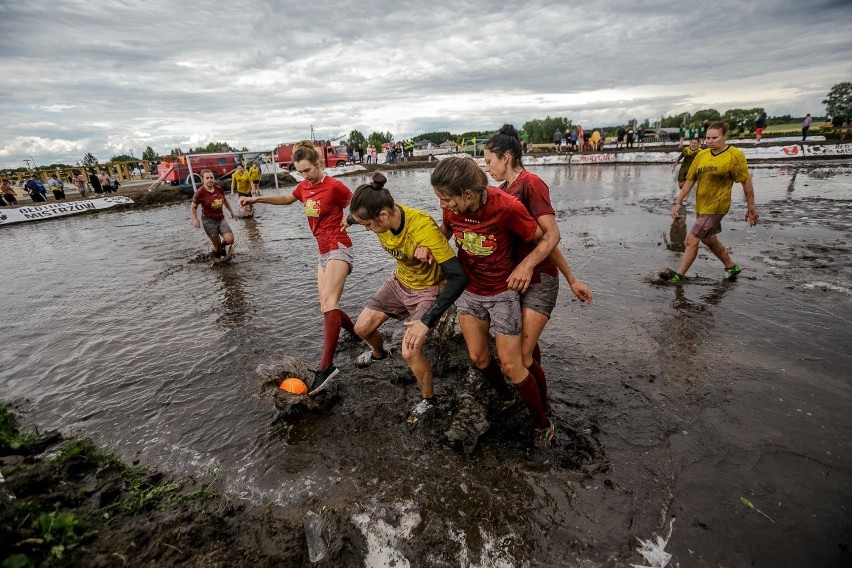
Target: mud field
(721,405)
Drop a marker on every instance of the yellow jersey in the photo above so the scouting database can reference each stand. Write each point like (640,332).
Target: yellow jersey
(254,173)
(715,175)
(243,182)
(418,230)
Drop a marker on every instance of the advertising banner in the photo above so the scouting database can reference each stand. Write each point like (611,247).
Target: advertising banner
(51,210)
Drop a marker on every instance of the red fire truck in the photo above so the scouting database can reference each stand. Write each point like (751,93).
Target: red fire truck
(332,156)
(176,170)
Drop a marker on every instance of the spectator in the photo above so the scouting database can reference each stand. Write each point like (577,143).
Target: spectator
(81,185)
(759,125)
(7,193)
(806,125)
(557,140)
(619,140)
(57,187)
(629,136)
(95,182)
(36,190)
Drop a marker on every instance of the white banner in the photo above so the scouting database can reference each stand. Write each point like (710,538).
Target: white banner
(826,150)
(332,171)
(773,152)
(51,210)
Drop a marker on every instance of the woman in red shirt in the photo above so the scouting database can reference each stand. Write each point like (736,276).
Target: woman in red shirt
(324,199)
(484,222)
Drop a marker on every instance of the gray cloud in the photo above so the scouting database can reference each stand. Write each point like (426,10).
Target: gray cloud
(108,76)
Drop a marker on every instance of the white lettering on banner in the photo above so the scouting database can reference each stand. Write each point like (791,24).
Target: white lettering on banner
(591,158)
(52,210)
(826,150)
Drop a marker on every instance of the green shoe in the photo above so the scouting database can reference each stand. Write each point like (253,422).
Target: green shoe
(676,278)
(731,272)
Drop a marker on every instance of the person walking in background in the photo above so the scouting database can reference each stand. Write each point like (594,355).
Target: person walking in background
(759,125)
(629,136)
(95,182)
(36,190)
(57,187)
(7,193)
(806,125)
(324,199)
(211,197)
(254,176)
(714,170)
(557,141)
(417,292)
(80,183)
(687,155)
(106,185)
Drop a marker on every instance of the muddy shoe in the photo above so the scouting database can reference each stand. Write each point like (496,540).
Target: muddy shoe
(731,273)
(227,256)
(507,405)
(544,436)
(323,378)
(366,359)
(421,409)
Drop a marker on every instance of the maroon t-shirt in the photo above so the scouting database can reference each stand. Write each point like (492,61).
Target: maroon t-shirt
(485,240)
(535,195)
(324,203)
(211,203)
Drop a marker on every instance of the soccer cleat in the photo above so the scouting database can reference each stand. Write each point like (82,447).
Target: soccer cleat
(731,272)
(544,436)
(420,410)
(366,359)
(323,378)
(227,256)
(507,405)
(676,278)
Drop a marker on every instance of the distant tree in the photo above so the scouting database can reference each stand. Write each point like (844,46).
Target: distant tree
(742,119)
(149,154)
(436,137)
(213,147)
(379,138)
(838,102)
(175,152)
(122,158)
(710,114)
(674,121)
(89,159)
(356,138)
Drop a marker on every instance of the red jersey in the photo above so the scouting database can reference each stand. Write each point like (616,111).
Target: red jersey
(531,190)
(211,203)
(485,240)
(324,203)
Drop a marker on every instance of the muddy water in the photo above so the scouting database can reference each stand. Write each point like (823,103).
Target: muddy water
(670,402)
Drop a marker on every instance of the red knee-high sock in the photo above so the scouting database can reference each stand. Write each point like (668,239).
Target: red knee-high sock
(537,354)
(532,398)
(331,331)
(346,322)
(540,380)
(494,375)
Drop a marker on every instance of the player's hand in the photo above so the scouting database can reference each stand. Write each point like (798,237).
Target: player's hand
(581,291)
(424,254)
(752,216)
(246,201)
(519,279)
(196,223)
(415,335)
(675,209)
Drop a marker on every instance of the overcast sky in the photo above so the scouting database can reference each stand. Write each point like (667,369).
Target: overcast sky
(109,76)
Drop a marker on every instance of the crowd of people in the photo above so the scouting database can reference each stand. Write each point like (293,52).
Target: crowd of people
(35,188)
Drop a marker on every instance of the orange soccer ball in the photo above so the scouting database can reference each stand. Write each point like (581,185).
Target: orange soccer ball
(294,385)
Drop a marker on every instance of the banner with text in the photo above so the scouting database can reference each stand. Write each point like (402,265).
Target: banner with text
(51,210)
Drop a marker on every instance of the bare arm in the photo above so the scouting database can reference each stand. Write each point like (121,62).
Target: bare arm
(228,205)
(547,236)
(283,199)
(580,290)
(233,185)
(751,214)
(193,213)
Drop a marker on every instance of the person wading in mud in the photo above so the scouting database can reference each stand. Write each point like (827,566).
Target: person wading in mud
(714,170)
(502,155)
(417,291)
(485,221)
(687,155)
(211,198)
(324,198)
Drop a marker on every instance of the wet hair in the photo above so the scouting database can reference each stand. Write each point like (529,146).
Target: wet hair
(305,150)
(207,172)
(453,176)
(506,140)
(720,126)
(370,199)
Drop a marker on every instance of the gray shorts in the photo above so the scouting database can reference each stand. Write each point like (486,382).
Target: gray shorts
(541,297)
(400,302)
(341,253)
(706,226)
(214,228)
(502,310)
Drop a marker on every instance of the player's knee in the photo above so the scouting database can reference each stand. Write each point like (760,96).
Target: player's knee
(479,358)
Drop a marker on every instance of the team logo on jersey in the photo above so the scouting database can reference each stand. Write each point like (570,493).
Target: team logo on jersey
(312,208)
(217,203)
(475,244)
